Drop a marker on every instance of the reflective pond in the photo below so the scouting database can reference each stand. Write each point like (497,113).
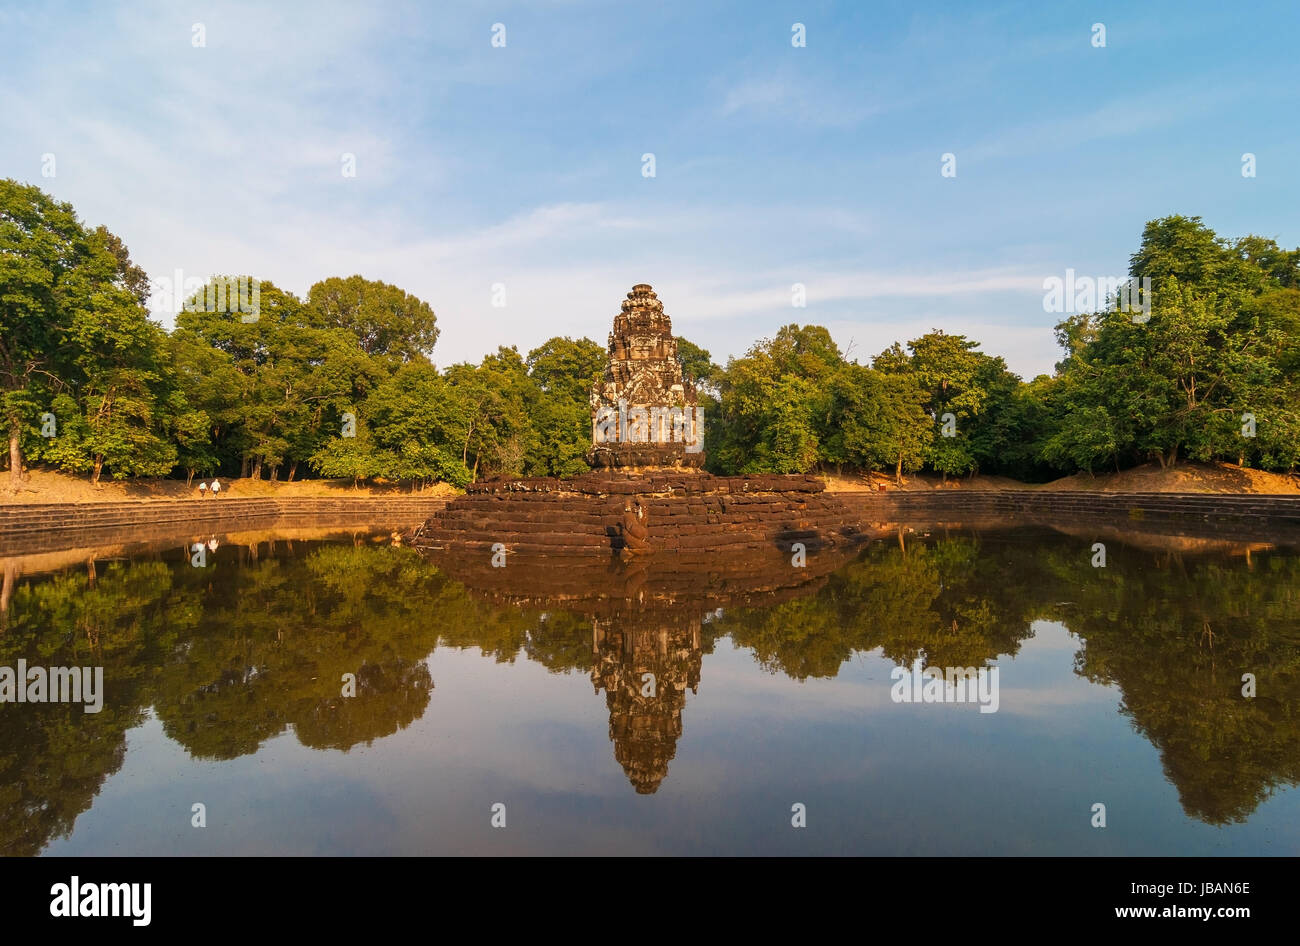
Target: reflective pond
(509,714)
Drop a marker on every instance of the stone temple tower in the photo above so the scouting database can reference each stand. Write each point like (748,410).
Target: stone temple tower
(644,413)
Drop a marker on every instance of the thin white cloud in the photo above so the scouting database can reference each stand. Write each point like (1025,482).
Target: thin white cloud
(788,97)
(756,93)
(1121,118)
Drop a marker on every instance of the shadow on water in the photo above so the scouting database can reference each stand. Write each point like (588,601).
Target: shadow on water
(255,642)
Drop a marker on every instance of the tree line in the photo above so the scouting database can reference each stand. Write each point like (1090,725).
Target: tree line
(342,383)
(1211,372)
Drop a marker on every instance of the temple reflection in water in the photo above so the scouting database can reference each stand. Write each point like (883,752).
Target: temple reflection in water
(228,657)
(645,664)
(647,621)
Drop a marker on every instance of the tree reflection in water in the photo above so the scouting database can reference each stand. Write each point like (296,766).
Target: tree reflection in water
(257,643)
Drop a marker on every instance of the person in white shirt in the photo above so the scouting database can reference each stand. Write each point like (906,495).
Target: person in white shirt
(216,487)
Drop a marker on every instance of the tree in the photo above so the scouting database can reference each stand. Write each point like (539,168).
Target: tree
(1175,386)
(1182,248)
(293,379)
(419,426)
(75,329)
(904,429)
(122,393)
(874,421)
(955,380)
(1003,438)
(208,433)
(387,321)
(775,404)
(352,456)
(697,364)
(495,397)
(47,274)
(564,371)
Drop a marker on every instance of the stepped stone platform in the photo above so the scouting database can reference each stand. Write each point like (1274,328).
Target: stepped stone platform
(687,514)
(648,513)
(48,527)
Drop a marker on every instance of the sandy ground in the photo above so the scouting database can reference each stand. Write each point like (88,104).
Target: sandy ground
(49,487)
(1184,478)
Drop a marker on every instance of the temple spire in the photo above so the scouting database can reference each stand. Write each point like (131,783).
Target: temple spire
(644,412)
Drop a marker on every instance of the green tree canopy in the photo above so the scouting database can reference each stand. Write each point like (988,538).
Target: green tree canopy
(386,321)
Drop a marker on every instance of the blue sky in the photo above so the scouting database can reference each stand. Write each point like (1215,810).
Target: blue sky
(522,165)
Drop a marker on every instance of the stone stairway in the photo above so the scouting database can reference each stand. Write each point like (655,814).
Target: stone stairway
(686,513)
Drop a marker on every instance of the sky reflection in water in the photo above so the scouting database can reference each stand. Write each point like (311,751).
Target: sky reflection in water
(1119,685)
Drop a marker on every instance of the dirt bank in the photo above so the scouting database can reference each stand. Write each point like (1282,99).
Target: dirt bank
(42,486)
(1184,478)
(48,487)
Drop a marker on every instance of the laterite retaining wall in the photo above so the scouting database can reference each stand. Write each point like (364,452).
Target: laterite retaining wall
(26,528)
(698,513)
(1205,515)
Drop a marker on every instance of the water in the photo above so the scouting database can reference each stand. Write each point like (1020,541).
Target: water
(223,687)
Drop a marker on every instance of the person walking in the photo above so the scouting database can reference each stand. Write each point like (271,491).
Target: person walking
(216,487)
(203,490)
